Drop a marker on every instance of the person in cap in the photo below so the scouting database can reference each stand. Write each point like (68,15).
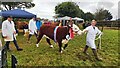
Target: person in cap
(8,33)
(92,31)
(32,28)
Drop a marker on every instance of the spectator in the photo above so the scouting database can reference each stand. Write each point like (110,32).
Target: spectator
(38,24)
(60,24)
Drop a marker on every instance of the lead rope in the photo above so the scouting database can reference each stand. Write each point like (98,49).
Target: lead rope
(100,38)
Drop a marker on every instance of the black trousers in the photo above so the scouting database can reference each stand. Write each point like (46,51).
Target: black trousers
(15,43)
(31,35)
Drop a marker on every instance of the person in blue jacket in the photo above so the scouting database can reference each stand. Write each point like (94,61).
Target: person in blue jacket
(38,24)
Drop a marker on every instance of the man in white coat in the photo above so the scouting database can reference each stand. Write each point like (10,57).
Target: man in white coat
(8,32)
(32,28)
(92,31)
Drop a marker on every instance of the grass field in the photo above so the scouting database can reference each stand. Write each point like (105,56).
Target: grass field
(72,56)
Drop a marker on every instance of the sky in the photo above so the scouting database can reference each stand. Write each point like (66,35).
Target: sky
(46,8)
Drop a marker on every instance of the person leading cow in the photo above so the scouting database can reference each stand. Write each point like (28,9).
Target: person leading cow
(92,31)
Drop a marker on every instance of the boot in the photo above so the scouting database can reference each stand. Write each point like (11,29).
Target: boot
(85,49)
(19,49)
(95,54)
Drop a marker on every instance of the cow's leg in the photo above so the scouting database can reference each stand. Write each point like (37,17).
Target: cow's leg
(65,46)
(60,46)
(38,39)
(48,41)
(65,42)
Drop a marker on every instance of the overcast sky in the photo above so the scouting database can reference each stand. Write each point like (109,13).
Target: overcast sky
(45,8)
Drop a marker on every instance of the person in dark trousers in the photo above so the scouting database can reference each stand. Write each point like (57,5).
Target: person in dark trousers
(9,33)
(32,28)
(92,31)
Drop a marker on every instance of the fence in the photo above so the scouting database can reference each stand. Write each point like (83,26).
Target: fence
(4,63)
(109,23)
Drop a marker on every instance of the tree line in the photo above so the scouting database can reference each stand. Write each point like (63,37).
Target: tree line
(73,10)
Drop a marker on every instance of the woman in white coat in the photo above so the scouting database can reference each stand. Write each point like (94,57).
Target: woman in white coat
(92,31)
(8,32)
(32,28)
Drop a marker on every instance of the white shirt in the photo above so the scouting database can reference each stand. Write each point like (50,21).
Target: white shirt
(32,26)
(8,30)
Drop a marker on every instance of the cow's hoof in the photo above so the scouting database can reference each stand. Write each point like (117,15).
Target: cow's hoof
(28,42)
(61,52)
(37,45)
(62,49)
(51,46)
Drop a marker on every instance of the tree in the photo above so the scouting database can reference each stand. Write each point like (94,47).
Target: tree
(103,14)
(12,5)
(108,15)
(88,16)
(68,9)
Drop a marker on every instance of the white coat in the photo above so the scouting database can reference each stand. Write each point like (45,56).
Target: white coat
(91,34)
(8,30)
(32,27)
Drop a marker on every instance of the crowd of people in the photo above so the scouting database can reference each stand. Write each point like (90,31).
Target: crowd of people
(9,32)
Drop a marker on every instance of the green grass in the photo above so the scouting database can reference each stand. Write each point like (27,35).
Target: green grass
(72,56)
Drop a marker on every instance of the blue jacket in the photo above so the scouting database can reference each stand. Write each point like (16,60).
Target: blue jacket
(38,24)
